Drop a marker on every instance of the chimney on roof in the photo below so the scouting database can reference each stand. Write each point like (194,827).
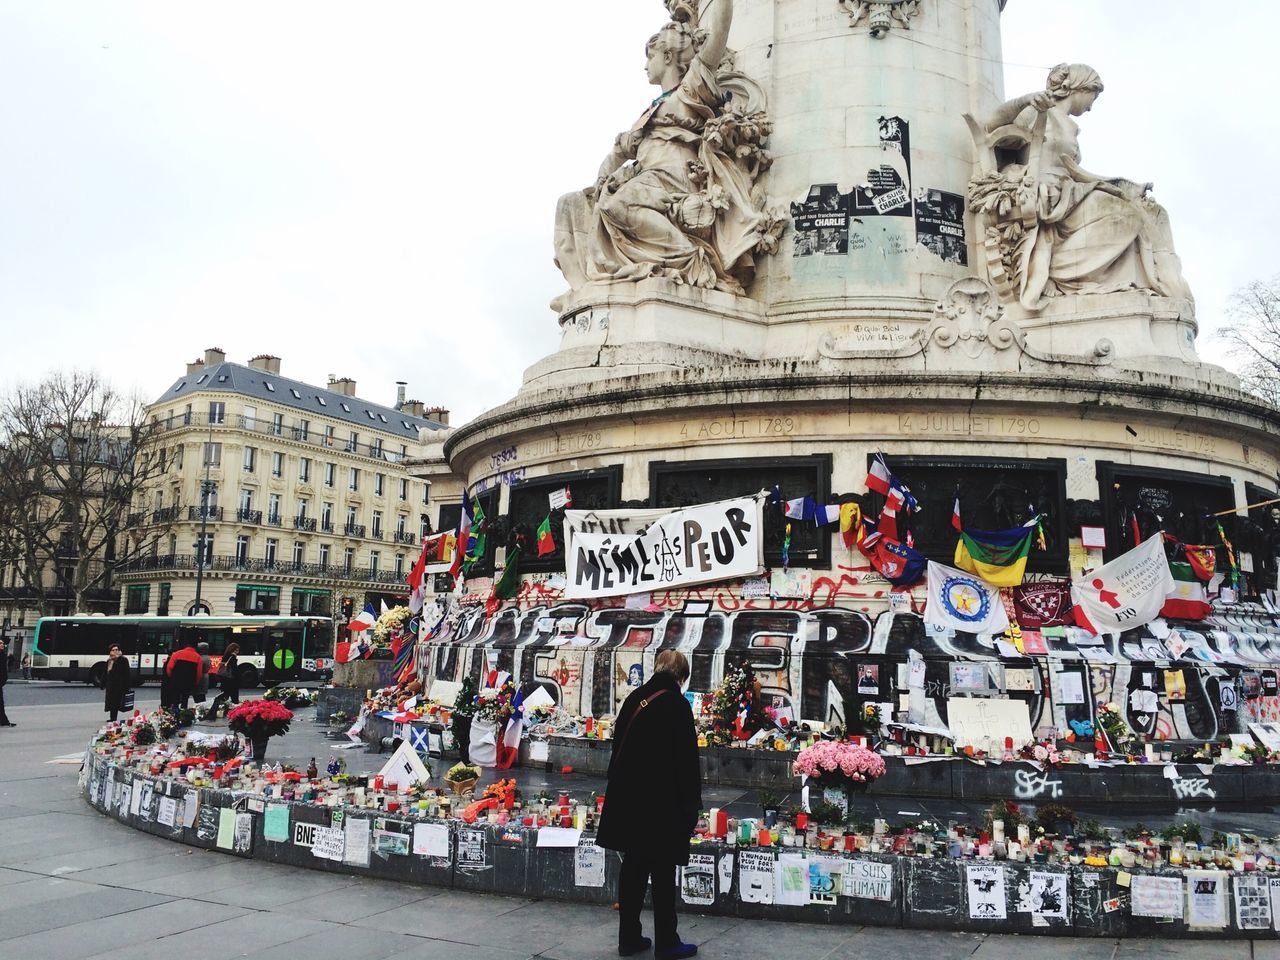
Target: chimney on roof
(214,355)
(439,414)
(266,363)
(412,407)
(400,385)
(195,366)
(343,385)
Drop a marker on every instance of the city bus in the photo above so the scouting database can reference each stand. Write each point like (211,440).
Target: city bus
(272,649)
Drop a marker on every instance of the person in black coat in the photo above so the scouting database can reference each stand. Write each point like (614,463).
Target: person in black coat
(4,678)
(119,681)
(652,804)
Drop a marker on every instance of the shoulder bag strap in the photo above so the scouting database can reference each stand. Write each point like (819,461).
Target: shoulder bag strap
(636,716)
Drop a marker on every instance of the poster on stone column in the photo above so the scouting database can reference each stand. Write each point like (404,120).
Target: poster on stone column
(940,225)
(985,885)
(822,222)
(698,880)
(887,190)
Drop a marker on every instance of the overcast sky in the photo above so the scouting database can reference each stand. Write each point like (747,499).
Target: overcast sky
(367,189)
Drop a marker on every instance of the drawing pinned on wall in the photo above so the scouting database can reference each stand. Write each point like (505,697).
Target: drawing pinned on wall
(755,876)
(697,880)
(986,891)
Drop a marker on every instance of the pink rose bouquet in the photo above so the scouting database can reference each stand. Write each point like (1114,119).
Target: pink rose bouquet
(836,762)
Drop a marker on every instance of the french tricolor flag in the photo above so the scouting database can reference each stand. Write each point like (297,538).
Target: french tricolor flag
(879,479)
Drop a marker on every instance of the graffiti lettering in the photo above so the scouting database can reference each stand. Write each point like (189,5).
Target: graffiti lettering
(1192,789)
(1028,786)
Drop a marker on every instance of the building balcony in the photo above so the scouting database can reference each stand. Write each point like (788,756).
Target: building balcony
(249,516)
(274,520)
(305,524)
(405,537)
(212,514)
(310,436)
(164,515)
(326,526)
(354,529)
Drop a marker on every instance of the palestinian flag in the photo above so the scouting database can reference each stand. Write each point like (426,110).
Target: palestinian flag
(546,542)
(998,557)
(1187,599)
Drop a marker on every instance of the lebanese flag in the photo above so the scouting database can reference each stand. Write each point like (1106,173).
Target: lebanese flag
(1186,601)
(879,478)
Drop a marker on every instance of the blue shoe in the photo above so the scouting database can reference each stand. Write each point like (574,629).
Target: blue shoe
(678,952)
(634,947)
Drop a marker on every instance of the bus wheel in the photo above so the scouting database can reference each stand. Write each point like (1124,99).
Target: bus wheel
(98,675)
(248,676)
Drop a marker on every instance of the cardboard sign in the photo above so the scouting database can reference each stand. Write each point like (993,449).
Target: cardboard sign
(404,769)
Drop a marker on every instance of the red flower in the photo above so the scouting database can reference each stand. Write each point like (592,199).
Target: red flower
(260,718)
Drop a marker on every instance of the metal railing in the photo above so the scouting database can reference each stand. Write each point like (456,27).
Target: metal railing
(209,513)
(309,436)
(403,536)
(354,529)
(305,524)
(249,516)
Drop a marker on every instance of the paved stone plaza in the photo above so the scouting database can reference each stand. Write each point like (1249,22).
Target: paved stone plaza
(76,885)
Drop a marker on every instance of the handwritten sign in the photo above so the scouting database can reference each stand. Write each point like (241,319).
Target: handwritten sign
(981,721)
(868,880)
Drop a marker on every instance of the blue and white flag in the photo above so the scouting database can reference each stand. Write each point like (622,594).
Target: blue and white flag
(963,601)
(828,514)
(804,508)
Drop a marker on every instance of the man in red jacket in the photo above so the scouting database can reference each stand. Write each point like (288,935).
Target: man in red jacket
(184,670)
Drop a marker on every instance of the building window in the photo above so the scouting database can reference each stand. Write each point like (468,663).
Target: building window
(303,503)
(351,516)
(324,556)
(250,418)
(424,527)
(326,517)
(242,550)
(353,478)
(304,469)
(250,459)
(377,524)
(379,484)
(273,509)
(138,598)
(246,502)
(353,442)
(162,602)
(426,494)
(255,599)
(277,424)
(399,565)
(310,603)
(217,412)
(303,430)
(348,559)
(269,555)
(299,550)
(277,464)
(213,454)
(204,549)
(402,524)
(374,558)
(330,472)
(686,484)
(404,489)
(375,448)
(178,457)
(328,435)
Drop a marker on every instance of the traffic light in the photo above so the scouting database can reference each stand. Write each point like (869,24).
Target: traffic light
(348,608)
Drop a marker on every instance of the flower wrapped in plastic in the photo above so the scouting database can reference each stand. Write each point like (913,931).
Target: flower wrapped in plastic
(258,719)
(839,763)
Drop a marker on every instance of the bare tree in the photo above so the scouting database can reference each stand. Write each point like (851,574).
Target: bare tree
(75,459)
(1254,336)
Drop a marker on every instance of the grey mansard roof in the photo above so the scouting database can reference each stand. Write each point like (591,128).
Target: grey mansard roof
(248,382)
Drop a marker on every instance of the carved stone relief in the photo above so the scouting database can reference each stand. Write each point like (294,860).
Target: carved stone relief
(882,14)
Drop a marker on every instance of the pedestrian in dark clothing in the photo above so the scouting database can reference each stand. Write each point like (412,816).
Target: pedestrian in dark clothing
(4,678)
(202,687)
(228,680)
(652,804)
(119,682)
(184,671)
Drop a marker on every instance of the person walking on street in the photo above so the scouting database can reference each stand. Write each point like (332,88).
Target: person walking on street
(26,666)
(202,686)
(4,678)
(184,671)
(119,682)
(228,679)
(652,804)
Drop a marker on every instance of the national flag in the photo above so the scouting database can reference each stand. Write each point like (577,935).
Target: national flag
(827,515)
(343,651)
(955,515)
(477,542)
(1231,555)
(561,499)
(1125,593)
(851,528)
(1134,529)
(417,581)
(1203,559)
(363,620)
(1187,599)
(998,557)
(775,495)
(958,600)
(546,542)
(401,651)
(463,537)
(802,508)
(383,604)
(515,725)
(879,478)
(508,585)
(899,564)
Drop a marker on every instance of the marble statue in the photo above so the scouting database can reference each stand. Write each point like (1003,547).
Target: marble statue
(679,195)
(1052,228)
(882,14)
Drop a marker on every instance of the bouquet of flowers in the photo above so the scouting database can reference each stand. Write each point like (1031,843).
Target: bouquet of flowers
(735,706)
(1114,726)
(389,624)
(493,704)
(258,719)
(838,763)
(291,696)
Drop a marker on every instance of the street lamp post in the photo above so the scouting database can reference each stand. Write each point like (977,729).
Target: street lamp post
(206,489)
